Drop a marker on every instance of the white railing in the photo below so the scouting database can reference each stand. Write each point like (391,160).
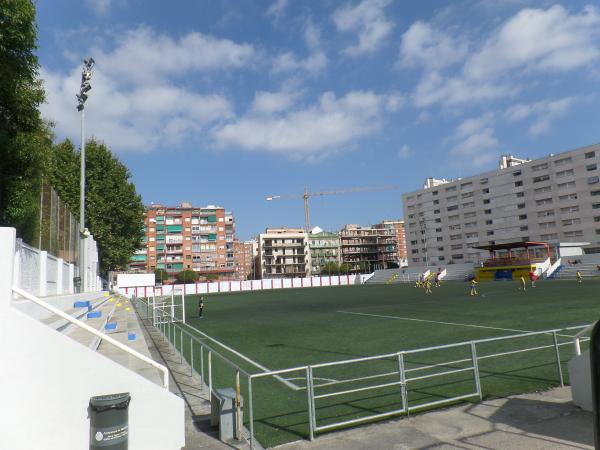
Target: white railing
(579,336)
(553,268)
(96,333)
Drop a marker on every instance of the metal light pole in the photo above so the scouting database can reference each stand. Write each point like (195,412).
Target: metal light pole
(86,76)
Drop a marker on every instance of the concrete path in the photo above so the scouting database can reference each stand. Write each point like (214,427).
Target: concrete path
(546,420)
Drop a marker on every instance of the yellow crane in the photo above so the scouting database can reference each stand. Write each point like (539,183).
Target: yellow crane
(306,195)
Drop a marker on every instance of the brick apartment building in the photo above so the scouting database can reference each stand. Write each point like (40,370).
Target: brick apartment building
(398,227)
(187,237)
(244,261)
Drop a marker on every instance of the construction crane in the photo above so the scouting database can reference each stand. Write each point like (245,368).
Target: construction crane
(306,195)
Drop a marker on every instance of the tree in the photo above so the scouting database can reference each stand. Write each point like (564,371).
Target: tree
(211,277)
(344,268)
(25,140)
(330,268)
(187,276)
(161,275)
(114,210)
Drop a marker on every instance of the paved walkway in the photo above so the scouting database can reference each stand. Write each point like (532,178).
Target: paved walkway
(546,420)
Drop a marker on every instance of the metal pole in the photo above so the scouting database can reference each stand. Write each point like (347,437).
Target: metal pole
(557,352)
(82,254)
(476,370)
(403,390)
(595,377)
(238,402)
(311,403)
(210,376)
(250,413)
(191,356)
(202,365)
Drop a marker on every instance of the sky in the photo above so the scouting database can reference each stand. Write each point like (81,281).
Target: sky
(226,102)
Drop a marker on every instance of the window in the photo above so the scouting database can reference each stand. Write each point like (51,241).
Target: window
(468,205)
(467,195)
(572,234)
(520,194)
(564,173)
(452,208)
(595,205)
(539,167)
(518,183)
(488,222)
(434,193)
(415,251)
(436,202)
(454,237)
(524,228)
(541,178)
(568,222)
(456,247)
(486,190)
(470,224)
(470,214)
(451,189)
(454,227)
(487,211)
(563,198)
(483,181)
(590,155)
(543,189)
(521,206)
(452,198)
(490,233)
(523,217)
(597,219)
(440,249)
(438,220)
(543,201)
(458,256)
(595,193)
(591,167)
(517,173)
(453,218)
(471,235)
(593,180)
(547,237)
(439,239)
(568,185)
(466,185)
(547,213)
(436,211)
(413,242)
(438,230)
(569,209)
(546,225)
(562,161)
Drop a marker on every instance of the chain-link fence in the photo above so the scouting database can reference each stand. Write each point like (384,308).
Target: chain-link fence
(59,230)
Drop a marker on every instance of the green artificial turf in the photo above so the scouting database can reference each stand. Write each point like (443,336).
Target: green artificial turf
(297,327)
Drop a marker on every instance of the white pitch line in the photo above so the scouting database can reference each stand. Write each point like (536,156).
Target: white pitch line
(435,321)
(245,358)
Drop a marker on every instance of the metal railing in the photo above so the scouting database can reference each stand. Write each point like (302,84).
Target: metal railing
(579,337)
(96,333)
(402,377)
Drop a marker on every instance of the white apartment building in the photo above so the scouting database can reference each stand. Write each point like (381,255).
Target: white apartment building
(284,253)
(552,199)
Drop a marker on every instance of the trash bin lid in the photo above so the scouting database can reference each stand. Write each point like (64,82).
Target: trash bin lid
(110,401)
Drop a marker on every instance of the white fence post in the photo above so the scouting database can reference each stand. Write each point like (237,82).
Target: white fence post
(17,263)
(43,275)
(71,289)
(8,238)
(59,276)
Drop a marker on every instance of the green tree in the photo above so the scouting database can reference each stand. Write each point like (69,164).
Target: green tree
(113,209)
(25,140)
(161,275)
(187,276)
(330,268)
(344,268)
(212,277)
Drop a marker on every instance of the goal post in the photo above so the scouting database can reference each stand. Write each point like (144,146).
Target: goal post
(169,308)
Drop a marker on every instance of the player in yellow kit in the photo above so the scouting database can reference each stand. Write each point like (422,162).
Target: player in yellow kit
(473,287)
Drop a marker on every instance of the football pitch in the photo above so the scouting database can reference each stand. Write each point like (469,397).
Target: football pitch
(271,330)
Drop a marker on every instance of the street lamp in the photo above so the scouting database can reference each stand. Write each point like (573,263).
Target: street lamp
(86,76)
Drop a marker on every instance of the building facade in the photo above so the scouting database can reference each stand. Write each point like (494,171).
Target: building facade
(365,249)
(324,249)
(398,227)
(552,199)
(243,257)
(284,253)
(187,237)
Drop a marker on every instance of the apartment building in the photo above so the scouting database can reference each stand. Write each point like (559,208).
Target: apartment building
(366,249)
(552,199)
(243,259)
(398,227)
(324,248)
(187,237)
(284,253)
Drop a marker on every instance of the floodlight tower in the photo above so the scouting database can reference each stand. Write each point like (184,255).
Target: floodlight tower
(86,76)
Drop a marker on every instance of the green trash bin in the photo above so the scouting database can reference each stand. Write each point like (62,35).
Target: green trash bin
(109,422)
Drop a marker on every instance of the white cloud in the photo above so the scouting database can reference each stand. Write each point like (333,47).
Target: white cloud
(424,46)
(310,132)
(404,152)
(99,7)
(277,9)
(544,113)
(272,102)
(539,40)
(315,61)
(368,20)
(135,103)
(435,88)
(476,144)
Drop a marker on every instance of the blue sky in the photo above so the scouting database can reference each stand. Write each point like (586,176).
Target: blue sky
(226,102)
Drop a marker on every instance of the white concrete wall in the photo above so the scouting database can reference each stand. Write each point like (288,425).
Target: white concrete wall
(581,380)
(47,379)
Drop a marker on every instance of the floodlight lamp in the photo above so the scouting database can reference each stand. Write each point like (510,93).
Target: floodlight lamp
(85,87)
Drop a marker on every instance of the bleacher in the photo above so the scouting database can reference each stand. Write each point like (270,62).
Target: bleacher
(458,272)
(588,265)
